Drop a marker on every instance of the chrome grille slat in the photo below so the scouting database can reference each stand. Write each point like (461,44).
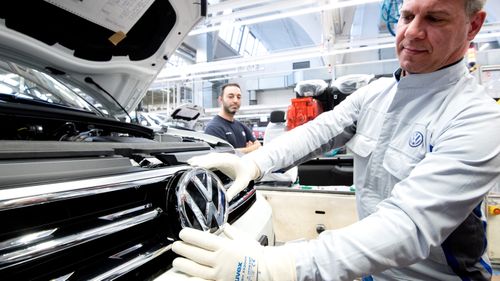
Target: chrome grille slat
(26,239)
(130,265)
(117,215)
(59,244)
(63,278)
(40,194)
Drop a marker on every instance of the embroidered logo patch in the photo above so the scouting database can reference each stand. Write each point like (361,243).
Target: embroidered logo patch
(416,139)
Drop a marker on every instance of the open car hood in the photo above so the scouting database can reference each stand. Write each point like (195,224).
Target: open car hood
(103,45)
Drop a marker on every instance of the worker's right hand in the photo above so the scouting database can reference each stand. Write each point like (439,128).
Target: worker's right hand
(206,256)
(241,170)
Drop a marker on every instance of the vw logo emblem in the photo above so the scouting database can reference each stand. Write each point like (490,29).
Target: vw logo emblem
(201,200)
(416,139)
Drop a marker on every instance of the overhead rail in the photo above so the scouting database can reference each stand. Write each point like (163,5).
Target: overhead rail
(240,65)
(252,64)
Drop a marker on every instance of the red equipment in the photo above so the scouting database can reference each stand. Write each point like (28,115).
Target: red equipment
(301,111)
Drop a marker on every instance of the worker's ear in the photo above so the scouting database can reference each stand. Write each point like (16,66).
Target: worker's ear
(475,24)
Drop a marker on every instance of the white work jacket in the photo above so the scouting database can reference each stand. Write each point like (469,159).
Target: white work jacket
(426,152)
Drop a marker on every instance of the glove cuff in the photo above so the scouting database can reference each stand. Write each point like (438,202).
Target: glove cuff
(276,263)
(252,167)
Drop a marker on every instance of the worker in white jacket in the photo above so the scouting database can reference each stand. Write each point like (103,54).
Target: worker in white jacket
(426,147)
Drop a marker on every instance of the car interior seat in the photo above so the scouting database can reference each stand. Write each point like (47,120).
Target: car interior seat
(276,125)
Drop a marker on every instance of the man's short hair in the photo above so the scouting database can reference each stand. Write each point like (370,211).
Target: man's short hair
(473,6)
(228,85)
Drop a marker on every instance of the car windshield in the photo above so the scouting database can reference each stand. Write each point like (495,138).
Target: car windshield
(23,84)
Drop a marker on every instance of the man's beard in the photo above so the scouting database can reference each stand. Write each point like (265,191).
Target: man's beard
(228,110)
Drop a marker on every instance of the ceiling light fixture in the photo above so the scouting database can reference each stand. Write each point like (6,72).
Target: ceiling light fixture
(329,6)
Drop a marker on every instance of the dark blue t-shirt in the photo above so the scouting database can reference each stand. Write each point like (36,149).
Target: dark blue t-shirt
(236,133)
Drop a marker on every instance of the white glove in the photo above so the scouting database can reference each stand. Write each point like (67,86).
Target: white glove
(241,170)
(211,257)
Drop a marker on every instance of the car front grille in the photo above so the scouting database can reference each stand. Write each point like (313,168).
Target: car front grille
(108,228)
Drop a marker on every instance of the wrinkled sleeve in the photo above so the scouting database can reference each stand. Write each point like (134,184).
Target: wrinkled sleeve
(423,209)
(312,138)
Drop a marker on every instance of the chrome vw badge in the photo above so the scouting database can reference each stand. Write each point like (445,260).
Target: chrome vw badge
(201,200)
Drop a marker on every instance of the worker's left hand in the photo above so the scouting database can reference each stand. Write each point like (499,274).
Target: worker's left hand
(240,169)
(236,257)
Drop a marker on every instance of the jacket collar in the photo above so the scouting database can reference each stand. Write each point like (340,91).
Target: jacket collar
(437,79)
